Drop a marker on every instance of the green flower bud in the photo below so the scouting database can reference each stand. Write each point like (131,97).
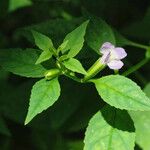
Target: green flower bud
(52,73)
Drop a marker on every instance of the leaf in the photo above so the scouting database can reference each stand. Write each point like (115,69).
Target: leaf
(15,4)
(49,28)
(45,44)
(75,40)
(147,90)
(16,101)
(21,62)
(142,124)
(3,74)
(148,53)
(75,145)
(106,131)
(121,92)
(98,32)
(42,41)
(121,40)
(140,28)
(43,95)
(74,65)
(45,55)
(63,46)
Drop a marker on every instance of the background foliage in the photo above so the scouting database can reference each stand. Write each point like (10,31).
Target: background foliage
(60,127)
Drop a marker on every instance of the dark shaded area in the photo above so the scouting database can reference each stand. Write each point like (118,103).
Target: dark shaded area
(119,119)
(137,147)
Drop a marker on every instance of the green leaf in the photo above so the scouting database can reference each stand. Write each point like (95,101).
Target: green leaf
(75,40)
(45,55)
(121,40)
(98,32)
(43,95)
(111,129)
(48,27)
(142,124)
(148,53)
(15,4)
(75,145)
(21,62)
(42,41)
(62,46)
(121,92)
(147,90)
(139,29)
(74,65)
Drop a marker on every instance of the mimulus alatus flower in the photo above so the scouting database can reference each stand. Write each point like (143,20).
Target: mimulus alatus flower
(112,56)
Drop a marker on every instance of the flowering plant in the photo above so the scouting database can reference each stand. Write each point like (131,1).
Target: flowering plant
(118,99)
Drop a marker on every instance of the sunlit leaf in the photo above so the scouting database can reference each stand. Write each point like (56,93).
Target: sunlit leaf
(142,124)
(46,55)
(122,93)
(43,95)
(74,65)
(110,129)
(75,40)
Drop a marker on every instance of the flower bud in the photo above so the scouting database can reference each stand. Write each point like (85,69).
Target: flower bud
(52,73)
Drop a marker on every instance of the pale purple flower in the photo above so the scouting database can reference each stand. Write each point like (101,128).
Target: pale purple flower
(112,56)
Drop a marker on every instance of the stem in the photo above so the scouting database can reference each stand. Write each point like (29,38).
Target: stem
(67,72)
(116,71)
(139,45)
(94,70)
(136,67)
(73,77)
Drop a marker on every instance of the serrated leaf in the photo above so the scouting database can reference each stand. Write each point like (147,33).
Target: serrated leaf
(21,62)
(121,92)
(75,40)
(45,55)
(142,124)
(15,4)
(43,95)
(74,65)
(111,129)
(147,90)
(98,32)
(42,41)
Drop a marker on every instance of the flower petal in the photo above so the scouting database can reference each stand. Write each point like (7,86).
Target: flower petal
(106,47)
(105,58)
(115,64)
(119,52)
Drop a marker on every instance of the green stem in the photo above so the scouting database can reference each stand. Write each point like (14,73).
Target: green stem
(94,70)
(139,45)
(67,72)
(136,67)
(116,71)
(70,75)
